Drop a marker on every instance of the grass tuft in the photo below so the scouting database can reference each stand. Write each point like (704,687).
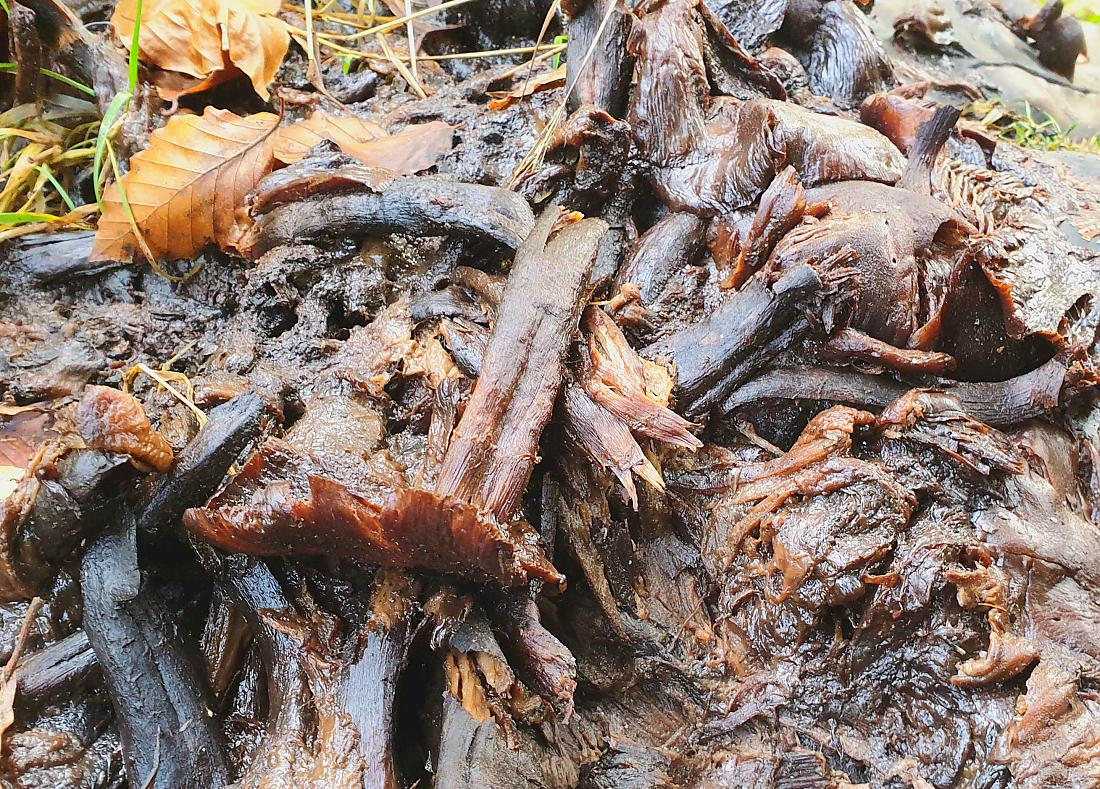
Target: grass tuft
(1032,128)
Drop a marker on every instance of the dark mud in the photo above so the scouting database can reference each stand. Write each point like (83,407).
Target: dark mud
(748,438)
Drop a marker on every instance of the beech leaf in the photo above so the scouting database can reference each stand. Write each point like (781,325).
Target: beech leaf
(188,187)
(202,37)
(410,150)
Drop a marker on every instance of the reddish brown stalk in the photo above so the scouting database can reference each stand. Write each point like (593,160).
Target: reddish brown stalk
(495,445)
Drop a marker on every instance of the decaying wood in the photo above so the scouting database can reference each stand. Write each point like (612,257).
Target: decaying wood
(423,206)
(711,358)
(494,446)
(724,416)
(158,696)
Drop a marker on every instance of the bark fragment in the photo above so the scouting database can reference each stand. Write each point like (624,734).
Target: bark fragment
(495,444)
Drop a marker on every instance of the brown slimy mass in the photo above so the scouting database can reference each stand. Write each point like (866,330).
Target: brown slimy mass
(722,412)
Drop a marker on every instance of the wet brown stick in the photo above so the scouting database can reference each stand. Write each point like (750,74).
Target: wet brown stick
(48,673)
(817,383)
(851,343)
(995,402)
(367,694)
(367,686)
(251,585)
(494,447)
(539,658)
(159,698)
(226,638)
(710,356)
(202,464)
(673,243)
(330,703)
(604,80)
(604,437)
(168,739)
(422,205)
(50,258)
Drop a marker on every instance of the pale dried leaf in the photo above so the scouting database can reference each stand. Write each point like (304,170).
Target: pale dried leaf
(10,477)
(410,150)
(7,702)
(267,7)
(203,37)
(187,187)
(294,142)
(526,87)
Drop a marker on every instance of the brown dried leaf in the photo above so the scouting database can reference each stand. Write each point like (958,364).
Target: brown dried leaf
(201,37)
(410,150)
(170,85)
(175,34)
(526,87)
(186,188)
(257,42)
(23,429)
(294,142)
(7,701)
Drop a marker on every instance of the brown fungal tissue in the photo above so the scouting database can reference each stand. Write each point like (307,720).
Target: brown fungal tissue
(720,408)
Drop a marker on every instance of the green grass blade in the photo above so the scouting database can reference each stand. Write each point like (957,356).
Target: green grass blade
(122,196)
(25,217)
(4,5)
(135,49)
(114,110)
(57,186)
(562,39)
(72,83)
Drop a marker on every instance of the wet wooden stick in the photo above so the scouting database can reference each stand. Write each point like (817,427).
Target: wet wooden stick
(495,445)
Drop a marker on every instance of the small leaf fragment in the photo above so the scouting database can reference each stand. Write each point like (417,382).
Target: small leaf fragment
(528,87)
